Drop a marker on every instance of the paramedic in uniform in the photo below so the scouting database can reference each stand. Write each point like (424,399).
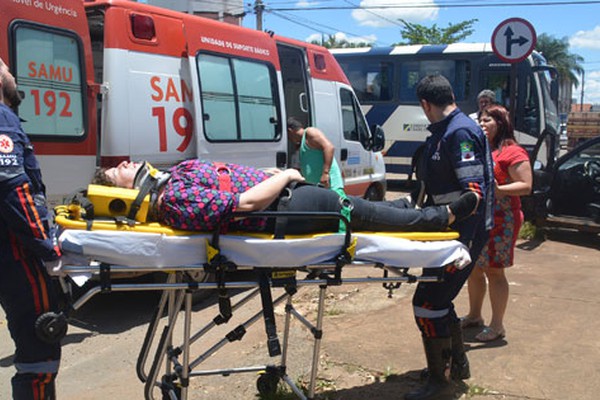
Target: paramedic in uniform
(26,290)
(456,159)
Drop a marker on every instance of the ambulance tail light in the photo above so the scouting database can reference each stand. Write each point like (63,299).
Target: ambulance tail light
(142,27)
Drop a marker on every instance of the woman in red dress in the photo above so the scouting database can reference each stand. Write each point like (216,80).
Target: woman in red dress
(512,172)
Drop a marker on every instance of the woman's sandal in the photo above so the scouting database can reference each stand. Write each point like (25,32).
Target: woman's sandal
(466,322)
(489,335)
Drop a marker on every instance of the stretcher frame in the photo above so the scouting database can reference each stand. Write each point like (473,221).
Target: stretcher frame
(176,361)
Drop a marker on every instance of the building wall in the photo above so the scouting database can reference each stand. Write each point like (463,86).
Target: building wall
(230,11)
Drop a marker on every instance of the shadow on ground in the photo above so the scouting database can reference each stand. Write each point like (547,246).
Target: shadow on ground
(392,388)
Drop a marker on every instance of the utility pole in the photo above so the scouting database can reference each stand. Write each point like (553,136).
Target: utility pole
(258,8)
(582,85)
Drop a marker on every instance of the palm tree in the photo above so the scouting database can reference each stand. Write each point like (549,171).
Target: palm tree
(568,65)
(556,52)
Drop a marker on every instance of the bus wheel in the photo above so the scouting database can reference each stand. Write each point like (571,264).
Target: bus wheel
(374,193)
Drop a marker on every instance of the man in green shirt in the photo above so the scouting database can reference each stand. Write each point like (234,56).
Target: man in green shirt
(316,152)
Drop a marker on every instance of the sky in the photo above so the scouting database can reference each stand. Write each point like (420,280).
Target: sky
(579,21)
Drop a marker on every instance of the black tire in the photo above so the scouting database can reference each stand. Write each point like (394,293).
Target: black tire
(374,193)
(266,384)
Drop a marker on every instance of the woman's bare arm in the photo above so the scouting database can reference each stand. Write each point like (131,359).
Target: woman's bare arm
(260,196)
(521,184)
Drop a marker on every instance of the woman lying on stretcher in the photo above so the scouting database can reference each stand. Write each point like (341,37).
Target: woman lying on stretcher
(196,195)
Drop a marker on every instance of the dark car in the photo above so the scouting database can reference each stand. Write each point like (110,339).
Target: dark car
(568,193)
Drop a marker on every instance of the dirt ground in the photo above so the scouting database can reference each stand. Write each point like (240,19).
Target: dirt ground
(371,347)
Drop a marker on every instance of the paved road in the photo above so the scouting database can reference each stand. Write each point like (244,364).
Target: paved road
(371,347)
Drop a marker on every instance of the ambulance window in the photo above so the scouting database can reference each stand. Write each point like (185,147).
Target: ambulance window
(49,72)
(238,99)
(218,101)
(354,126)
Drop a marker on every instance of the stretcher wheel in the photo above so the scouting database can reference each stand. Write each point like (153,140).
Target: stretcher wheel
(267,383)
(51,327)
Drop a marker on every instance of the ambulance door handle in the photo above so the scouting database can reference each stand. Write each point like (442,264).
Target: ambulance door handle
(303,103)
(281,159)
(344,155)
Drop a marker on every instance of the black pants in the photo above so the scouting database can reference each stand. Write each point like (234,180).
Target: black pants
(26,292)
(433,302)
(385,216)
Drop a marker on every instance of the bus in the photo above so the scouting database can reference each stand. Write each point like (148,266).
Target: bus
(384,80)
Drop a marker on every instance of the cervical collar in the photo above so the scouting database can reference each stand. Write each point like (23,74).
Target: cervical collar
(148,180)
(147,173)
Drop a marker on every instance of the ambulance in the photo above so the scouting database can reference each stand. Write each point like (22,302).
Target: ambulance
(109,80)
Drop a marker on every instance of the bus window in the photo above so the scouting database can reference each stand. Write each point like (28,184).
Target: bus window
(527,103)
(371,81)
(499,83)
(354,126)
(528,122)
(238,99)
(411,72)
(49,67)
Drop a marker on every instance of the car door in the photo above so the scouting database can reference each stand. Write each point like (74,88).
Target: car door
(571,194)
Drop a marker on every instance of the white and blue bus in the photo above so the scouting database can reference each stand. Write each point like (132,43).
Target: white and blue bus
(384,80)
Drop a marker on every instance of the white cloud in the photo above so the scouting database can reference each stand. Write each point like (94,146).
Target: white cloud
(592,88)
(387,16)
(586,39)
(306,3)
(340,36)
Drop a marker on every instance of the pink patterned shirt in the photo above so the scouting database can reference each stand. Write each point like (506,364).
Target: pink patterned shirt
(192,199)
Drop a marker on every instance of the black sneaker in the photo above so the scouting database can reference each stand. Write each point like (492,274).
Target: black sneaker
(465,206)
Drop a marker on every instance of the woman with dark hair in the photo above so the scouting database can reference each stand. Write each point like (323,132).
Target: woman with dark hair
(512,172)
(198,195)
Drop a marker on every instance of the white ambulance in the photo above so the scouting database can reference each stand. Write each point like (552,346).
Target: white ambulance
(106,81)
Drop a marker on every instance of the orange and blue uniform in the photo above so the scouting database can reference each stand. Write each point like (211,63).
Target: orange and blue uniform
(26,290)
(456,159)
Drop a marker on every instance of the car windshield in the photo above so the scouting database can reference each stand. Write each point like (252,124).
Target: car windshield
(591,153)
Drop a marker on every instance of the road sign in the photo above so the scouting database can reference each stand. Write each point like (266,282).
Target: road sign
(513,40)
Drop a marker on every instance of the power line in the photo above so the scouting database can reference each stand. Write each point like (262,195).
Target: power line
(438,5)
(310,24)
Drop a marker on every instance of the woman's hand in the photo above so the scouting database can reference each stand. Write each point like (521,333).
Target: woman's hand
(294,175)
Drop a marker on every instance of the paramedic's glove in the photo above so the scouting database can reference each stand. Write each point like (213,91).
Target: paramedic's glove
(54,267)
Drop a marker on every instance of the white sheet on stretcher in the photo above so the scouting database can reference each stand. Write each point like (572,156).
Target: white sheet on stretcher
(162,251)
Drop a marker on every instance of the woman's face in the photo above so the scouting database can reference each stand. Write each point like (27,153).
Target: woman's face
(489,126)
(123,174)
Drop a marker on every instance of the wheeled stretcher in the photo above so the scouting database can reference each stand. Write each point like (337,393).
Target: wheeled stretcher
(103,247)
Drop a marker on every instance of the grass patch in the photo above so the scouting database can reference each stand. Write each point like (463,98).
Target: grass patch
(529,231)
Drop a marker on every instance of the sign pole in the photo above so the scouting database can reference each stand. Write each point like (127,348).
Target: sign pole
(513,92)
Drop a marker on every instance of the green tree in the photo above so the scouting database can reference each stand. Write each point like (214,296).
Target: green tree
(557,53)
(420,34)
(332,42)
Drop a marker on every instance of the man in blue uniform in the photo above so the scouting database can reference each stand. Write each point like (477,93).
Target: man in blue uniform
(26,290)
(456,159)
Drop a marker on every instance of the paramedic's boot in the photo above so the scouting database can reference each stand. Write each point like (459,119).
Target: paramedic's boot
(459,368)
(33,387)
(437,386)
